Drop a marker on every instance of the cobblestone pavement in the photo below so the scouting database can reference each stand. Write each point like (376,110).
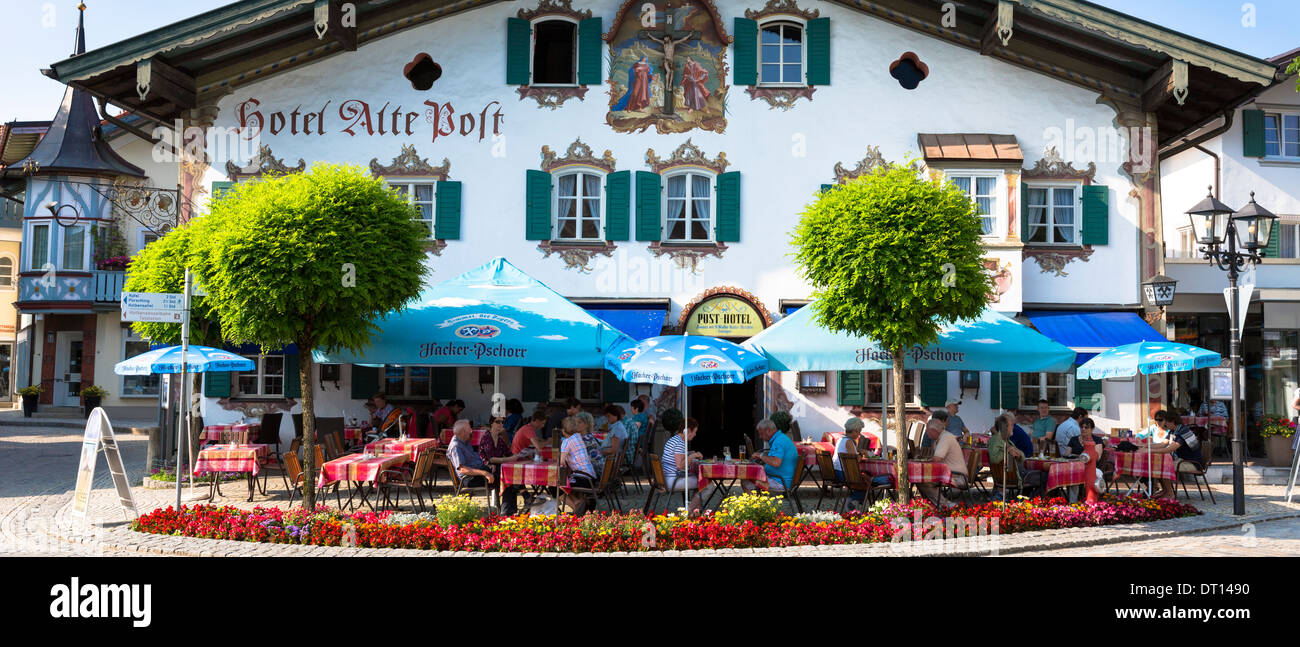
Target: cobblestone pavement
(39,474)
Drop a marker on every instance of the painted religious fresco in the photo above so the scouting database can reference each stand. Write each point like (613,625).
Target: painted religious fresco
(668,67)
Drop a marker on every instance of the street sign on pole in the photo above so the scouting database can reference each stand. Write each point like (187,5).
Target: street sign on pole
(1243,305)
(152,306)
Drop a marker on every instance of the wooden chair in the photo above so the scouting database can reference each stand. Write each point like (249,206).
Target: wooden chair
(1005,478)
(231,436)
(830,483)
(916,433)
(976,474)
(606,487)
(332,427)
(295,475)
(332,450)
(412,480)
(792,488)
(749,446)
(854,479)
(656,482)
(459,487)
(1183,468)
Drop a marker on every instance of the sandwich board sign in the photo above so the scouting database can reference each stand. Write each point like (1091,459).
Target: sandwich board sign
(99,435)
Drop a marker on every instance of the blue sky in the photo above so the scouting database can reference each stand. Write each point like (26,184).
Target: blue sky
(36,33)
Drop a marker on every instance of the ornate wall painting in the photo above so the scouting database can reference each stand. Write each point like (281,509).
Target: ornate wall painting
(668,70)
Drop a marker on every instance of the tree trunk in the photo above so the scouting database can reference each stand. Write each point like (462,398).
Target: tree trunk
(900,418)
(308,427)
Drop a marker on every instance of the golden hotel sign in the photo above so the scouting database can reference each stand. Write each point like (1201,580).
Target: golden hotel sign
(725,316)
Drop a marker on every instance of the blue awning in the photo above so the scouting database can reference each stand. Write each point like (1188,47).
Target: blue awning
(639,323)
(1089,333)
(789,308)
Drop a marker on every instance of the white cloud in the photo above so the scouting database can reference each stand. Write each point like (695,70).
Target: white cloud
(454,302)
(699,347)
(985,341)
(553,337)
(534,300)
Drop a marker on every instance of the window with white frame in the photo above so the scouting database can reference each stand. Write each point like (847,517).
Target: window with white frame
(688,208)
(578,205)
(1053,387)
(6,272)
(1282,135)
(1288,239)
(407,381)
(420,194)
(268,379)
(876,389)
(581,383)
(74,247)
(555,52)
(781,54)
(136,385)
(40,249)
(1052,213)
(1186,243)
(982,188)
(146,237)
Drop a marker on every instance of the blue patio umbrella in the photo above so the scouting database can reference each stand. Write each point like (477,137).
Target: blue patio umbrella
(493,315)
(990,342)
(685,360)
(1147,358)
(200,359)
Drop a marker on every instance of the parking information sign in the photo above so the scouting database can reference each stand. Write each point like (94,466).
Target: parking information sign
(152,306)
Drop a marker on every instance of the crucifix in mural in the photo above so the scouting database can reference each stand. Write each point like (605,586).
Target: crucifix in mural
(668,68)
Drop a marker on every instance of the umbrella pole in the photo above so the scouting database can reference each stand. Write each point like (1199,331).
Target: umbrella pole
(886,388)
(183,427)
(1146,411)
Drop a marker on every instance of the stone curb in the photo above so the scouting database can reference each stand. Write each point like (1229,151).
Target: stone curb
(123,539)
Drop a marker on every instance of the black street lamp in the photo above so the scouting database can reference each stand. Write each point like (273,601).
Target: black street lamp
(1159,291)
(1215,225)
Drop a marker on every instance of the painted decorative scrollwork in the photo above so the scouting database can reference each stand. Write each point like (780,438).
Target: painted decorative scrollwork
(576,256)
(688,257)
(866,165)
(1052,167)
(554,8)
(781,8)
(577,153)
(408,163)
(552,97)
(780,98)
(264,162)
(1053,261)
(688,154)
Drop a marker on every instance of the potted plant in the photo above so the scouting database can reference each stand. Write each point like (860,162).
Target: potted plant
(1277,434)
(31,395)
(91,397)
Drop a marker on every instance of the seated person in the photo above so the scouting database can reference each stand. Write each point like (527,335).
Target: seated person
(779,459)
(1088,430)
(587,431)
(1044,424)
(1068,430)
(942,416)
(1155,429)
(472,469)
(514,416)
(638,423)
(848,444)
(1019,437)
(575,456)
(380,415)
(494,449)
(680,467)
(947,451)
(617,438)
(1003,448)
(445,417)
(1182,443)
(527,434)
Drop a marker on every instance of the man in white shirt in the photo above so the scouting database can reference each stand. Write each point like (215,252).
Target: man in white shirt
(1068,430)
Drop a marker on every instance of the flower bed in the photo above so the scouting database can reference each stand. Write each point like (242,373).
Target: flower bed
(608,532)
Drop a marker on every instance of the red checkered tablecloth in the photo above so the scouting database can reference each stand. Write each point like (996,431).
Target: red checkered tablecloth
(833,437)
(1135,464)
(412,446)
(809,451)
(535,473)
(917,471)
(1060,473)
(356,467)
(231,458)
(352,433)
(729,470)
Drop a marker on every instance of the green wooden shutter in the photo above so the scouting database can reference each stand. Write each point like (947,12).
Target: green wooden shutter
(537,210)
(220,187)
(744,52)
(443,382)
(728,209)
(1086,392)
(613,389)
(365,382)
(447,212)
(536,384)
(1274,247)
(851,389)
(216,384)
(934,388)
(1010,387)
(519,50)
(292,381)
(618,197)
(591,52)
(995,391)
(819,51)
(1024,213)
(1252,133)
(1096,214)
(648,222)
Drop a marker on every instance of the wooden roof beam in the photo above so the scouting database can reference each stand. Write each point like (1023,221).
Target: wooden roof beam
(157,79)
(337,22)
(1169,81)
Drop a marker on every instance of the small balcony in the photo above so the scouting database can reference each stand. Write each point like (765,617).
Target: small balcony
(108,286)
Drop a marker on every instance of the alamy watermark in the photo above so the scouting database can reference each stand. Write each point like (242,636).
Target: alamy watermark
(1132,145)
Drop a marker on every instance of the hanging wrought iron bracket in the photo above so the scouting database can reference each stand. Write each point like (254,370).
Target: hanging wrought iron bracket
(154,208)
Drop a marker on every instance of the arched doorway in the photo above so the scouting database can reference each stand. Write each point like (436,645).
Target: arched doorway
(726,412)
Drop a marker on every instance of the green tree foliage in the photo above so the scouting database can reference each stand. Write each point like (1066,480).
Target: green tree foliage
(160,267)
(313,259)
(893,256)
(1294,68)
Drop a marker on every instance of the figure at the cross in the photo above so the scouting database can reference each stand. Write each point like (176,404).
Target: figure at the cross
(669,38)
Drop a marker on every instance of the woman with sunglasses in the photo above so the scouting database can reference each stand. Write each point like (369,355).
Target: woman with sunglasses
(494,449)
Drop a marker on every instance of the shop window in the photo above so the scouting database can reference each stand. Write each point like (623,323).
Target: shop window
(583,384)
(1053,387)
(875,389)
(407,381)
(137,385)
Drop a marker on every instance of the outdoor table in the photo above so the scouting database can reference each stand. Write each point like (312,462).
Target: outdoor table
(361,471)
(1134,464)
(918,471)
(725,474)
(1060,473)
(240,457)
(225,434)
(983,452)
(530,473)
(412,446)
(808,451)
(352,433)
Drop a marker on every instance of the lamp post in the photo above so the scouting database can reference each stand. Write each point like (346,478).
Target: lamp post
(1215,225)
(1159,291)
